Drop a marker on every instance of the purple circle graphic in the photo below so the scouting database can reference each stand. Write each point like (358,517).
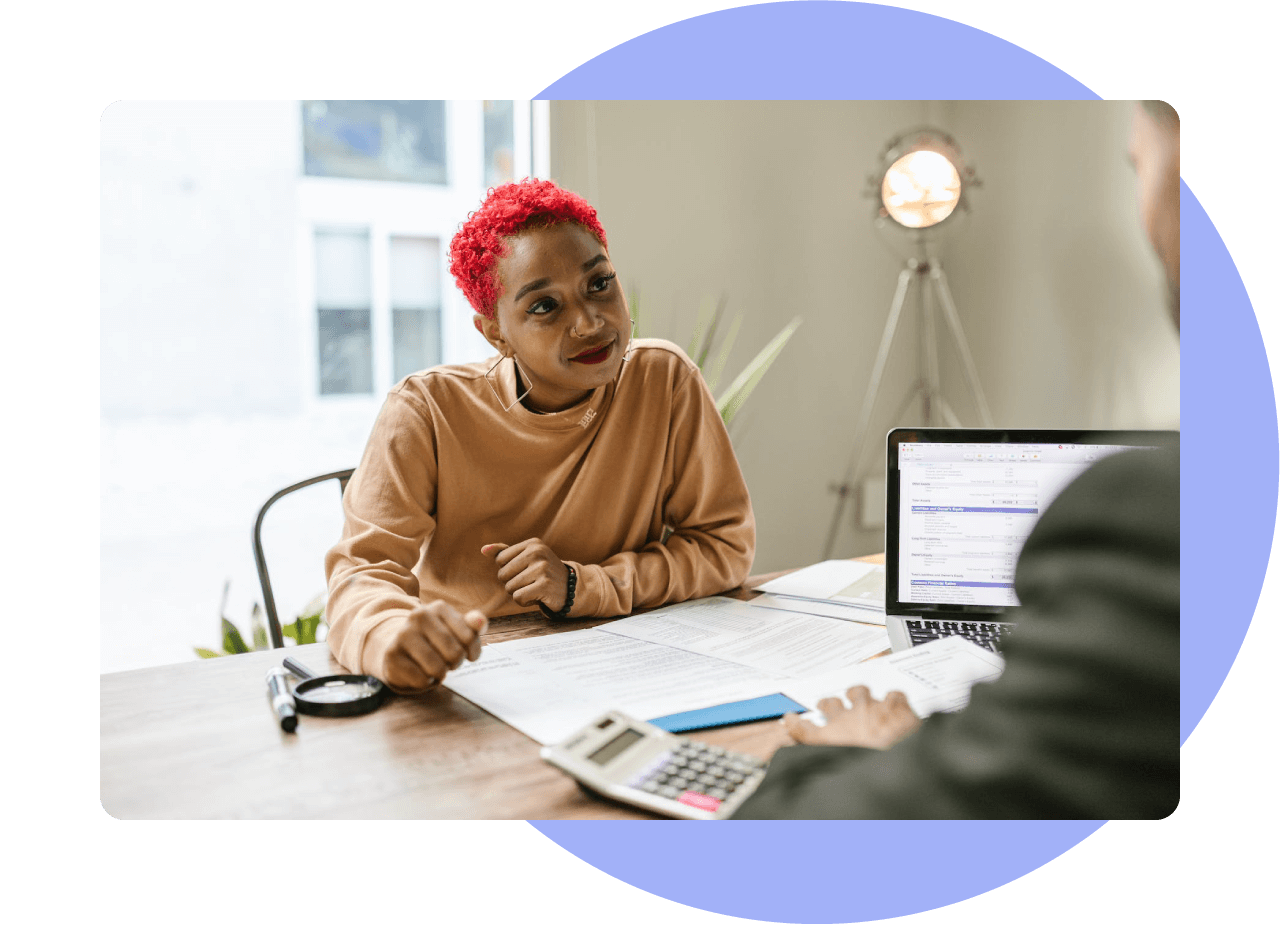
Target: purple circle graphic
(859,871)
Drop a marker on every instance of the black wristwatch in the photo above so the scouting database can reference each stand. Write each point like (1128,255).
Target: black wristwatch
(563,612)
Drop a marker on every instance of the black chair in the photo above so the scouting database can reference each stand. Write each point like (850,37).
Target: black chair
(268,600)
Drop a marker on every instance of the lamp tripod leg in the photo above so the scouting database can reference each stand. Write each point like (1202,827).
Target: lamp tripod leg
(927,387)
(939,279)
(864,417)
(947,413)
(843,488)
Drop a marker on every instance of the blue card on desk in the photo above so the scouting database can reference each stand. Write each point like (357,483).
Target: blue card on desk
(770,706)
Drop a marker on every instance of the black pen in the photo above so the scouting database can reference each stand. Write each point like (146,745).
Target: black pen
(281,699)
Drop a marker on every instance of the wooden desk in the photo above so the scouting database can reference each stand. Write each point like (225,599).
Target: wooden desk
(198,740)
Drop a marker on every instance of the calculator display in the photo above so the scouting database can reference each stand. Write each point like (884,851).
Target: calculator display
(615,746)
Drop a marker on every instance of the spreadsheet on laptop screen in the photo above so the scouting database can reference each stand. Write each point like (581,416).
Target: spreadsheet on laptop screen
(965,509)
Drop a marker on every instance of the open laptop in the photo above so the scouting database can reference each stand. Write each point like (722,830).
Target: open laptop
(959,506)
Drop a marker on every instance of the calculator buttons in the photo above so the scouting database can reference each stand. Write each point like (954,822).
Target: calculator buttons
(700,801)
(700,776)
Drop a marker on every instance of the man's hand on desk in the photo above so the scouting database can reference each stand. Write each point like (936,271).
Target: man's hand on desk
(866,722)
(424,646)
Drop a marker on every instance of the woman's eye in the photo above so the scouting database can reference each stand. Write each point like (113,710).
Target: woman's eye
(542,307)
(601,283)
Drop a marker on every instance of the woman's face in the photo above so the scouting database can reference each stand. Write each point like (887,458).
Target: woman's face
(561,313)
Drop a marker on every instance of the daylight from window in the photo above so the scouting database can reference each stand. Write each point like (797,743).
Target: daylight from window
(269,272)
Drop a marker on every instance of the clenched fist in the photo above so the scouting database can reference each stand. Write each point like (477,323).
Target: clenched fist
(424,646)
(531,572)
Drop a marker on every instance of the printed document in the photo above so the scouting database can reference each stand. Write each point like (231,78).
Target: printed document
(838,581)
(550,686)
(790,645)
(935,677)
(819,608)
(684,657)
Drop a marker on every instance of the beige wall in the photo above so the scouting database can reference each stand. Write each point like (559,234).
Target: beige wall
(763,203)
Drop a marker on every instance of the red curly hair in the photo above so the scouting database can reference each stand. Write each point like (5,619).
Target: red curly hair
(506,211)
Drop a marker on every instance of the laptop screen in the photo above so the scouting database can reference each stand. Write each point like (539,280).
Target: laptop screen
(962,502)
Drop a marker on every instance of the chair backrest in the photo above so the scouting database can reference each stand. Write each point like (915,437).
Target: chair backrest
(268,599)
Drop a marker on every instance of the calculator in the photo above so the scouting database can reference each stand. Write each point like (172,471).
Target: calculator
(635,762)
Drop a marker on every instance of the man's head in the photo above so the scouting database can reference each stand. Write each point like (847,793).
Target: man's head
(1153,149)
(506,211)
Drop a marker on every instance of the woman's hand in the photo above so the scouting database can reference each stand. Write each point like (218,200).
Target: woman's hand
(531,572)
(427,644)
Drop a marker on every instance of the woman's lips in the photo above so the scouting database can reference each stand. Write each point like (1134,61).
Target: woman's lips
(592,357)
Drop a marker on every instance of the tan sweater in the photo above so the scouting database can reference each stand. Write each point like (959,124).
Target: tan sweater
(447,471)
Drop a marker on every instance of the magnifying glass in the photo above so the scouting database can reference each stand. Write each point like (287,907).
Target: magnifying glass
(335,694)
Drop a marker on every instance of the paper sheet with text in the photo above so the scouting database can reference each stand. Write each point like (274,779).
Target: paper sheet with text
(935,677)
(683,657)
(857,587)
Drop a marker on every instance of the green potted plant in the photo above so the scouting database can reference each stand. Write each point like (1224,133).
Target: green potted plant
(305,628)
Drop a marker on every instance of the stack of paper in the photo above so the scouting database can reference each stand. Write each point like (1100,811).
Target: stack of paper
(840,588)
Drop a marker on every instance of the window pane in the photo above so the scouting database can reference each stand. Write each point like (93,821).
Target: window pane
(342,269)
(415,304)
(415,272)
(346,352)
(375,140)
(344,312)
(499,141)
(416,333)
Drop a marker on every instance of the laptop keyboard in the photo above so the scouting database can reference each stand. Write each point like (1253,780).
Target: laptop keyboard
(987,635)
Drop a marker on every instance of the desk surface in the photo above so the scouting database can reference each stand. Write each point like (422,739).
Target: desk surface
(197,740)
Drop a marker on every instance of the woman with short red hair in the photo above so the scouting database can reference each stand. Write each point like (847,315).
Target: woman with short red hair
(580,471)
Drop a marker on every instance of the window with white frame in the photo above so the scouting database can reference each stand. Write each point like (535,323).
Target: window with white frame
(385,185)
(343,312)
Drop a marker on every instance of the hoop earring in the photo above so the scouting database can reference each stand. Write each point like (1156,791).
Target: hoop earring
(519,398)
(626,356)
(631,342)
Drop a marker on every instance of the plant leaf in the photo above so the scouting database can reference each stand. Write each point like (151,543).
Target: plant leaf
(258,628)
(633,303)
(734,396)
(232,641)
(701,328)
(711,330)
(206,653)
(307,628)
(718,367)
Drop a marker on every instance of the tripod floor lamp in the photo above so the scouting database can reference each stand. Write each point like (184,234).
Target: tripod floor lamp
(920,184)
